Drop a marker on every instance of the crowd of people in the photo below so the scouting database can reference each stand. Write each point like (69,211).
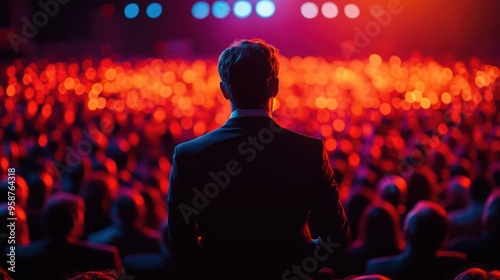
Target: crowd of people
(414,145)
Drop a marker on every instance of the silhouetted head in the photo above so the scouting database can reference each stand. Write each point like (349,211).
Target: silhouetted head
(473,273)
(128,208)
(457,192)
(379,230)
(491,214)
(249,73)
(421,186)
(97,275)
(99,191)
(40,186)
(480,189)
(394,190)
(63,216)
(426,226)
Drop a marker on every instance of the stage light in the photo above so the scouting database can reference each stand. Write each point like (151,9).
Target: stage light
(329,10)
(309,10)
(242,9)
(154,10)
(220,9)
(200,10)
(131,10)
(351,10)
(265,8)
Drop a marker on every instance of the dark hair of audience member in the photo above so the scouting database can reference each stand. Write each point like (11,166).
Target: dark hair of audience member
(475,273)
(457,193)
(155,207)
(40,187)
(98,193)
(96,275)
(379,230)
(394,190)
(128,208)
(356,203)
(421,186)
(62,216)
(426,227)
(480,189)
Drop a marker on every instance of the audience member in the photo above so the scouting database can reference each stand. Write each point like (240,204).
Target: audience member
(422,185)
(40,186)
(155,207)
(484,249)
(152,266)
(475,273)
(61,253)
(394,190)
(425,229)
(97,275)
(127,231)
(467,222)
(379,236)
(457,193)
(98,193)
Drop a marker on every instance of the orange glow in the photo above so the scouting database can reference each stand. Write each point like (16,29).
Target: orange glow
(133,138)
(42,140)
(159,115)
(46,111)
(385,108)
(110,74)
(446,97)
(32,108)
(354,159)
(330,144)
(338,125)
(425,103)
(11,90)
(90,73)
(199,128)
(375,60)
(326,130)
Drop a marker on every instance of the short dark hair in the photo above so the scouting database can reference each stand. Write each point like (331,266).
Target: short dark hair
(61,212)
(247,69)
(426,225)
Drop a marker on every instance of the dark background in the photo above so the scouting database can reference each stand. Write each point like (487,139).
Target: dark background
(438,28)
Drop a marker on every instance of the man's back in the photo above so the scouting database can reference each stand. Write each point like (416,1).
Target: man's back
(250,186)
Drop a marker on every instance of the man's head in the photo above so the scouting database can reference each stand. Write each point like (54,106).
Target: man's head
(249,73)
(426,226)
(63,216)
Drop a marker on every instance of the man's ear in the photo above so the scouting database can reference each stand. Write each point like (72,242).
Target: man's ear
(274,87)
(224,91)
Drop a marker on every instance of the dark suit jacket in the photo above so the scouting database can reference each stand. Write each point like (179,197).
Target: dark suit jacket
(247,190)
(57,260)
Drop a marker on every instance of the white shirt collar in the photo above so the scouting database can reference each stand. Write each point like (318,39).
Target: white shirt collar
(250,113)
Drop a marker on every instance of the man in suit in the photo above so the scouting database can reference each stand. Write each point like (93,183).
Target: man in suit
(241,196)
(62,255)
